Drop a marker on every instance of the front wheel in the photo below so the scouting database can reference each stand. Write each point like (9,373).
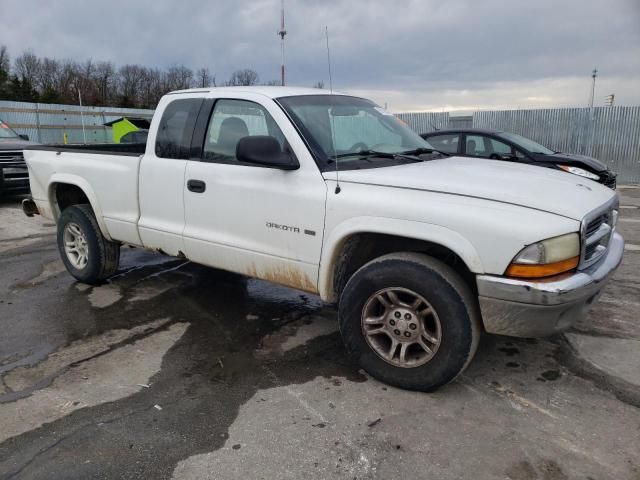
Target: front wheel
(86,254)
(410,321)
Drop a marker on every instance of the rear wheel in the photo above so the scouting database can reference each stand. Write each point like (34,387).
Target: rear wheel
(85,252)
(410,321)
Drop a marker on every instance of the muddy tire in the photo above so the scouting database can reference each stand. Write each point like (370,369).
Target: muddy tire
(86,254)
(410,321)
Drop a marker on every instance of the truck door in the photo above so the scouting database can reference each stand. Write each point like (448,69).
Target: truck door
(263,222)
(161,177)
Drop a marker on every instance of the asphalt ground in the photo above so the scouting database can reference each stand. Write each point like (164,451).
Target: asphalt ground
(173,370)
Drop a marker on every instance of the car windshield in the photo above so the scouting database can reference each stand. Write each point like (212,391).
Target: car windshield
(6,132)
(527,144)
(351,130)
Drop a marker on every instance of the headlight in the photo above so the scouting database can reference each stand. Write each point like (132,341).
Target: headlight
(580,171)
(546,258)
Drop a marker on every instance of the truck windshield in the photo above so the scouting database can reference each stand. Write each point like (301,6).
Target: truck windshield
(6,132)
(351,130)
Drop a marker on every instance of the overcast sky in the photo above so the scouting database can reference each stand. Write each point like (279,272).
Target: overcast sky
(412,55)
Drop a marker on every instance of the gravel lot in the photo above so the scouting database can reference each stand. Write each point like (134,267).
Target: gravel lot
(172,370)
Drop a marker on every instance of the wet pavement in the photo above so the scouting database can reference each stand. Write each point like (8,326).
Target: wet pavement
(173,370)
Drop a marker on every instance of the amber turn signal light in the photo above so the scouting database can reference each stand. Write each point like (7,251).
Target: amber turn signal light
(540,271)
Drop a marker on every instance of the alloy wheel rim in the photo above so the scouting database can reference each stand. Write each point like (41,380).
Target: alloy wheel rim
(75,246)
(401,327)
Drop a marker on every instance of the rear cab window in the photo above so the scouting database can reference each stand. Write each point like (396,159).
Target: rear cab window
(173,139)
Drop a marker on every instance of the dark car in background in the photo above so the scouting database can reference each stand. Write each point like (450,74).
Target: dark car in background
(14,176)
(508,146)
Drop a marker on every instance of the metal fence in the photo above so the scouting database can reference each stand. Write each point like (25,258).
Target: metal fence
(46,123)
(610,134)
(423,122)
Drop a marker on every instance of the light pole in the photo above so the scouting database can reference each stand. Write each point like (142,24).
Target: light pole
(84,135)
(594,74)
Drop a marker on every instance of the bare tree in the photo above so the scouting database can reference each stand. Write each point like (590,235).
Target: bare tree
(105,81)
(153,86)
(65,81)
(179,77)
(5,68)
(204,79)
(27,67)
(243,77)
(130,79)
(5,61)
(53,80)
(84,82)
(49,70)
(319,84)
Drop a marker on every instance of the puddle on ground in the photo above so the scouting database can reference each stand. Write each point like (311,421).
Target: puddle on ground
(104,296)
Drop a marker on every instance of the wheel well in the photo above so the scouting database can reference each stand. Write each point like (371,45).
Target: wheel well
(361,248)
(67,195)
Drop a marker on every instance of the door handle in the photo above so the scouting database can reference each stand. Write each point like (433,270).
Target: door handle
(196,186)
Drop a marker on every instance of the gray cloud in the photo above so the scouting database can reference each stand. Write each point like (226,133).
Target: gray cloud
(413,54)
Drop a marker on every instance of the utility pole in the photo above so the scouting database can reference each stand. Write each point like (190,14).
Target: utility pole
(594,74)
(609,99)
(282,33)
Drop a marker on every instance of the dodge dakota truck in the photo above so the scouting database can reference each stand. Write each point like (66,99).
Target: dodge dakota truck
(333,195)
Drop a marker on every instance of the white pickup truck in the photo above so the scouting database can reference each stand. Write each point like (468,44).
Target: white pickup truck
(333,195)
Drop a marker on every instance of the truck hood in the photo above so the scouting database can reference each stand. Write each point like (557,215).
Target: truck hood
(525,185)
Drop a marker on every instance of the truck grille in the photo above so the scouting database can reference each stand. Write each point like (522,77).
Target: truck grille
(597,228)
(14,175)
(12,159)
(595,224)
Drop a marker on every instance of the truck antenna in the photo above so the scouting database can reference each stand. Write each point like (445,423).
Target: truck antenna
(333,134)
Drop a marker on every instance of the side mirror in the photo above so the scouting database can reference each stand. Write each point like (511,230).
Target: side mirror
(24,137)
(265,150)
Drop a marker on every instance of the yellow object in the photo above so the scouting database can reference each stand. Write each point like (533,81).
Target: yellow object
(123,125)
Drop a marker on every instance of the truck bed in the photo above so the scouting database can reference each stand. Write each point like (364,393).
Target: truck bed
(108,175)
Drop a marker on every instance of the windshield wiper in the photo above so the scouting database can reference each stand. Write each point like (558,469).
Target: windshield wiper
(421,150)
(366,154)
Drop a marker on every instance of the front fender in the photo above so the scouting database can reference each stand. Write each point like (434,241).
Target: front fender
(81,183)
(437,234)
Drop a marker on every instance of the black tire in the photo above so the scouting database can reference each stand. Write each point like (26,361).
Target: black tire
(103,255)
(449,296)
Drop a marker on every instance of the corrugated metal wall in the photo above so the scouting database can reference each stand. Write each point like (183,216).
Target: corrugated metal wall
(45,123)
(610,134)
(423,122)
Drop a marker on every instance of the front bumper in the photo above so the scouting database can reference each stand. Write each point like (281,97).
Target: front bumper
(522,308)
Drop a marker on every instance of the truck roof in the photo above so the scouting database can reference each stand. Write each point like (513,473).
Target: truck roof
(267,91)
